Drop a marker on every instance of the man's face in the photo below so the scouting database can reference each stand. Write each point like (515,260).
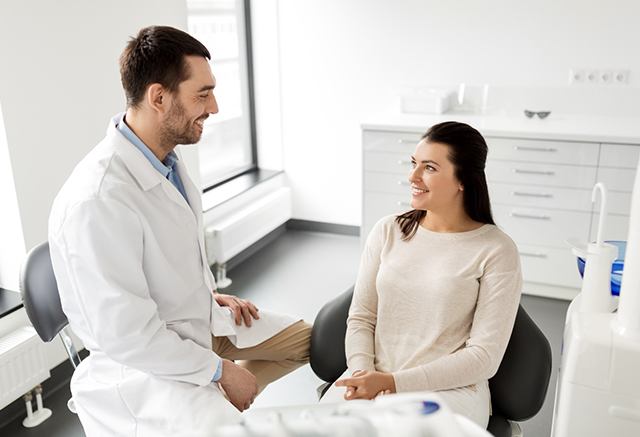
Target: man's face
(191,104)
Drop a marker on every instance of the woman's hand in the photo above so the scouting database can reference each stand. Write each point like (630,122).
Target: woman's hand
(365,384)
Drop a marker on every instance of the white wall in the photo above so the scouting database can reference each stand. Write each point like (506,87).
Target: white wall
(59,86)
(10,226)
(340,60)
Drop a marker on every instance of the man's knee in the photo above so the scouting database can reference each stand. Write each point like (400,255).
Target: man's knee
(301,343)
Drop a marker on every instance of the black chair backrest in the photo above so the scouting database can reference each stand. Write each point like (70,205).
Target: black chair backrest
(40,293)
(518,389)
(326,353)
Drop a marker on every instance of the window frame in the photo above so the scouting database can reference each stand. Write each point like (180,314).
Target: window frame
(245,40)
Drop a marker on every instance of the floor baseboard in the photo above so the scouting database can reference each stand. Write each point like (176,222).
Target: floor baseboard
(332,228)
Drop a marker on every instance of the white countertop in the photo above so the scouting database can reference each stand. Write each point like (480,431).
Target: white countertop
(600,129)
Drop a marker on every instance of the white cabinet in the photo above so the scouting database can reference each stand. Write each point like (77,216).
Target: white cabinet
(541,197)
(554,152)
(617,170)
(386,164)
(540,193)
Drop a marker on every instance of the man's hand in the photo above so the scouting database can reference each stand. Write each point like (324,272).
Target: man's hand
(242,309)
(239,384)
(365,384)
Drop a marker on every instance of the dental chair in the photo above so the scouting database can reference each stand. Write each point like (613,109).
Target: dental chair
(518,389)
(41,301)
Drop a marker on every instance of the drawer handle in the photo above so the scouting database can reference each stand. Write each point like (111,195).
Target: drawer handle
(405,183)
(535,149)
(402,203)
(403,162)
(540,172)
(530,216)
(404,141)
(523,194)
(533,254)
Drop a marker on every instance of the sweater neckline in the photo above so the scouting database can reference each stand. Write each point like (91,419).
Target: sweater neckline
(454,235)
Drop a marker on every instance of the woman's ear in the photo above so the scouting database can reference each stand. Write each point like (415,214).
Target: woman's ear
(460,187)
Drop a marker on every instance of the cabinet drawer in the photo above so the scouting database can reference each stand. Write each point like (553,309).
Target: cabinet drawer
(620,179)
(540,196)
(398,142)
(619,155)
(541,174)
(618,202)
(396,163)
(616,227)
(513,149)
(378,205)
(387,183)
(540,226)
(549,265)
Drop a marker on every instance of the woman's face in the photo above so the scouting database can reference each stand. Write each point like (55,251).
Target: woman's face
(434,186)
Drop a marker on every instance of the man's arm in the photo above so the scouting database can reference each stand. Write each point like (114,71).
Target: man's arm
(99,249)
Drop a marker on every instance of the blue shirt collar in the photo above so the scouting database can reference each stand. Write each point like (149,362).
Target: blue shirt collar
(163,167)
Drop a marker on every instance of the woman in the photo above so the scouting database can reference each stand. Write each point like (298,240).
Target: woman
(438,286)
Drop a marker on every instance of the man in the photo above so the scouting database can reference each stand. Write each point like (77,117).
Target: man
(126,243)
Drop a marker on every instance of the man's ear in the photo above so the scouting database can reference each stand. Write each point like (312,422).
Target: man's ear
(156,97)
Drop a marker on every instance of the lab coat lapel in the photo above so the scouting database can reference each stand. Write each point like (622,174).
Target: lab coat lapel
(148,177)
(195,202)
(193,193)
(142,170)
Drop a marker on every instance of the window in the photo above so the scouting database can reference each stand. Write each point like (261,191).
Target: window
(227,147)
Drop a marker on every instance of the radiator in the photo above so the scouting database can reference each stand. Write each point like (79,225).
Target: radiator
(241,228)
(22,364)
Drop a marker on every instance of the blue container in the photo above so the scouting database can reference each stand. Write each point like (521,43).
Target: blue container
(616,267)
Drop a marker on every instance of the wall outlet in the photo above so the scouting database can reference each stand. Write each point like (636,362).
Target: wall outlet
(594,76)
(621,77)
(606,76)
(576,76)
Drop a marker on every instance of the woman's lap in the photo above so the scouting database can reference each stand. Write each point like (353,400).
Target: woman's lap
(473,402)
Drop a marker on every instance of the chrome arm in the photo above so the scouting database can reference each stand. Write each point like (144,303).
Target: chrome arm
(71,349)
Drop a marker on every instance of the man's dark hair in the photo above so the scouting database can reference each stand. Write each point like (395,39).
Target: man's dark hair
(157,55)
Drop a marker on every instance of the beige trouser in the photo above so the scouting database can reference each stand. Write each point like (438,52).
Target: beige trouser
(273,358)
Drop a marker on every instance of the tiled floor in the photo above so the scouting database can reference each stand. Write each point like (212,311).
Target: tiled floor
(297,274)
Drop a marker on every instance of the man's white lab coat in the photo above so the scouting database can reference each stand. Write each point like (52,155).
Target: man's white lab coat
(128,255)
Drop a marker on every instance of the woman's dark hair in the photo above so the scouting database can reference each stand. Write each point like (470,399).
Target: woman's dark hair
(157,55)
(468,154)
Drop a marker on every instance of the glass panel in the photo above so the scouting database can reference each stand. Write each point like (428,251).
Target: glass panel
(225,148)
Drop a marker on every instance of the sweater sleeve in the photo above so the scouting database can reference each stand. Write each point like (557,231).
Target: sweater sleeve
(496,308)
(361,323)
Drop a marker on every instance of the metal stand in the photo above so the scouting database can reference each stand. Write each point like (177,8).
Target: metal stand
(221,276)
(73,357)
(35,418)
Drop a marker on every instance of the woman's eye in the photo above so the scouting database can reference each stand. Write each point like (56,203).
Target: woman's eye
(429,168)
(413,164)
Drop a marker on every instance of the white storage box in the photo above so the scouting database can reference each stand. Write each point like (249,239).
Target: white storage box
(429,101)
